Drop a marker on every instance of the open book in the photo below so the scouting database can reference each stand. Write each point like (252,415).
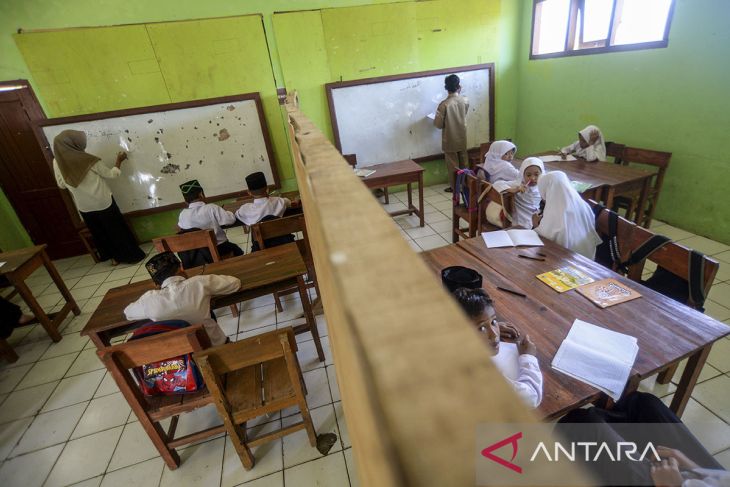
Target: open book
(557,158)
(511,238)
(597,356)
(363,173)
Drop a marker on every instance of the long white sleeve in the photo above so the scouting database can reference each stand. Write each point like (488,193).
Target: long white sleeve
(105,171)
(528,384)
(224,217)
(215,285)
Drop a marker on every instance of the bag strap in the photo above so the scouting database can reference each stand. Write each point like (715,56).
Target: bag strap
(697,278)
(613,247)
(646,249)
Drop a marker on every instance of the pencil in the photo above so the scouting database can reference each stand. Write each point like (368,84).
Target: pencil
(530,257)
(512,291)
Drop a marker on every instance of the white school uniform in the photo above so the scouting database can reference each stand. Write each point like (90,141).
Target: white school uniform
(252,213)
(497,168)
(185,299)
(527,203)
(594,152)
(92,193)
(567,219)
(528,384)
(206,216)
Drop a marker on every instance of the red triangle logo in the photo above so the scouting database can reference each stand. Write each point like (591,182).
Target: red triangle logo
(487,452)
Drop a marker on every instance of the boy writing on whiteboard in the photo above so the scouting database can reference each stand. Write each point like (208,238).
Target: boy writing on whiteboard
(451,119)
(206,216)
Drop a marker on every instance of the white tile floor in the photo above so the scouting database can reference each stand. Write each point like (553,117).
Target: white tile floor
(64,422)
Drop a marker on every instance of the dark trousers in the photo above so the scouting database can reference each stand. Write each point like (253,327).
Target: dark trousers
(228,247)
(112,236)
(9,315)
(600,425)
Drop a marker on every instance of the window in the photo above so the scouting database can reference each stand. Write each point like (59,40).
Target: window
(574,27)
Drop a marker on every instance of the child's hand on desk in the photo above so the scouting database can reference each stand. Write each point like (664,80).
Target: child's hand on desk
(508,331)
(525,346)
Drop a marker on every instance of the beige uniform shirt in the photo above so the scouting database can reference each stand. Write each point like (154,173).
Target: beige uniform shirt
(451,119)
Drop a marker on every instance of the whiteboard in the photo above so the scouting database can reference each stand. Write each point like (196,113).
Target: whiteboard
(218,142)
(386,119)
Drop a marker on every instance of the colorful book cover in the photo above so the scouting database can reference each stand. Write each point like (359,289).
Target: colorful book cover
(607,292)
(565,279)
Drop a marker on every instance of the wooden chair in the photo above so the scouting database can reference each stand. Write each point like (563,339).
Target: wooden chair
(198,239)
(253,377)
(88,240)
(615,150)
(120,359)
(624,233)
(629,202)
(474,212)
(673,257)
(266,230)
(352,161)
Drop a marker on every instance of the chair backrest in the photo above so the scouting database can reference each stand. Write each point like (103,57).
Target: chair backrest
(279,227)
(483,149)
(189,241)
(674,257)
(624,230)
(615,150)
(250,351)
(648,157)
(351,159)
(119,359)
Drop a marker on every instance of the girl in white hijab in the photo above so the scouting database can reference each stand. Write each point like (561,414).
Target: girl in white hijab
(589,146)
(567,219)
(527,196)
(497,163)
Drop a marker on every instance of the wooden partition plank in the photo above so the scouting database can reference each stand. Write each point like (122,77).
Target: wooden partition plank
(415,378)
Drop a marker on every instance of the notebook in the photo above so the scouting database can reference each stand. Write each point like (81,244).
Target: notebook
(565,279)
(607,292)
(511,238)
(597,356)
(507,360)
(557,158)
(363,173)
(580,186)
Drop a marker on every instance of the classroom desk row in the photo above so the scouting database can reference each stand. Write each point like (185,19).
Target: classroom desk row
(261,273)
(667,331)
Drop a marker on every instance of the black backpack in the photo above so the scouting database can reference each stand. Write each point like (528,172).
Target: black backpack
(607,253)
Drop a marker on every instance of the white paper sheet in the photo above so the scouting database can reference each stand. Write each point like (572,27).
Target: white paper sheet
(525,238)
(507,360)
(497,239)
(597,356)
(557,158)
(431,115)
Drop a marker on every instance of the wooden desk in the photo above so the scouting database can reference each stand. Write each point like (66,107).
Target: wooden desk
(19,264)
(261,273)
(667,331)
(395,173)
(606,178)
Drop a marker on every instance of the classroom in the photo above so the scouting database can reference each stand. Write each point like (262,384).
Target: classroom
(364,242)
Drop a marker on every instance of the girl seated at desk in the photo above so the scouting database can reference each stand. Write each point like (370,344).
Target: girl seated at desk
(567,219)
(527,197)
(589,146)
(497,165)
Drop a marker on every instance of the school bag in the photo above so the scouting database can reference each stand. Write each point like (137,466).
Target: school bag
(174,375)
(607,252)
(669,284)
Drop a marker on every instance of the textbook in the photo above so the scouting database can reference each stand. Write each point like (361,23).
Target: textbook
(597,356)
(565,279)
(511,238)
(363,173)
(607,292)
(557,158)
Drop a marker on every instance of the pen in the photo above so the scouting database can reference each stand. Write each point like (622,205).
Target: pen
(530,257)
(512,291)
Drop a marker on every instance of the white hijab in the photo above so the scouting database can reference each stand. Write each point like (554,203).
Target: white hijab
(567,219)
(594,152)
(527,203)
(497,168)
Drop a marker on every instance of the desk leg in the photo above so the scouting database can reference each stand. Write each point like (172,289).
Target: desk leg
(40,315)
(689,379)
(307,305)
(609,194)
(410,197)
(58,280)
(420,199)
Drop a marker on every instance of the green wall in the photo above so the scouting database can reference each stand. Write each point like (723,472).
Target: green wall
(673,99)
(88,70)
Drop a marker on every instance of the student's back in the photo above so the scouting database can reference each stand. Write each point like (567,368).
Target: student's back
(262,205)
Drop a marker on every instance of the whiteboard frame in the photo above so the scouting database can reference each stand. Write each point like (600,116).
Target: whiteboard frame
(329,87)
(89,117)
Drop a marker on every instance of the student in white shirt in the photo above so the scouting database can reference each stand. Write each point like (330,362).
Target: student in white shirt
(498,162)
(567,219)
(181,298)
(263,205)
(206,216)
(83,175)
(527,196)
(589,146)
(479,307)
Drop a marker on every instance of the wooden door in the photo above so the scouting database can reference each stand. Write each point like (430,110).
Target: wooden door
(27,179)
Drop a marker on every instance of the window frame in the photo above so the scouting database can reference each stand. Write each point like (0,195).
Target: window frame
(584,48)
